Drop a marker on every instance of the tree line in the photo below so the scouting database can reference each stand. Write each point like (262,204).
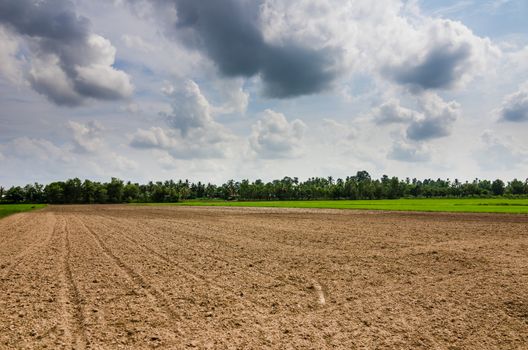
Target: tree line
(359,186)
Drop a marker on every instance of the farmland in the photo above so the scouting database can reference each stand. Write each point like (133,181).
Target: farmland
(484,205)
(192,277)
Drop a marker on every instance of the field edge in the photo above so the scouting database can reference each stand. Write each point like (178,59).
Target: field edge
(10,209)
(492,206)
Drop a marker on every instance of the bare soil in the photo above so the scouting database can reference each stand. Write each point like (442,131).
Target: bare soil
(110,277)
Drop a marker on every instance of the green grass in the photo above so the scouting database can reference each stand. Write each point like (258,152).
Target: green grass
(493,205)
(8,209)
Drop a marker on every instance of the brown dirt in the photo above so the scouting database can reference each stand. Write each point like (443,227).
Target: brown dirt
(106,277)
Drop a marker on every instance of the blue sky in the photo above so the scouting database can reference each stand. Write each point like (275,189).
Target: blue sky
(213,90)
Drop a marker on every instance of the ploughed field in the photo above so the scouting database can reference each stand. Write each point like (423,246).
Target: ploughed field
(106,277)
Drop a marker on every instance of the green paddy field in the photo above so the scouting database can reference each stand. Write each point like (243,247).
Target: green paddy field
(8,209)
(493,205)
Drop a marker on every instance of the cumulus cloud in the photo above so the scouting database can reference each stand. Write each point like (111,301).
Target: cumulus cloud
(433,118)
(439,69)
(303,47)
(515,106)
(87,137)
(192,132)
(229,33)
(198,144)
(448,56)
(437,120)
(388,37)
(391,112)
(274,137)
(69,63)
(409,152)
(190,108)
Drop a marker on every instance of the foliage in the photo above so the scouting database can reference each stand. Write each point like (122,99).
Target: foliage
(358,187)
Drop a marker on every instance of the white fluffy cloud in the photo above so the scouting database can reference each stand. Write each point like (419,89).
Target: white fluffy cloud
(93,79)
(197,144)
(190,109)
(69,64)
(391,112)
(86,137)
(445,55)
(515,106)
(274,137)
(434,117)
(388,37)
(437,118)
(192,131)
(232,92)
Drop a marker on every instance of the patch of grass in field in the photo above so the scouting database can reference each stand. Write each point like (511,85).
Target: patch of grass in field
(8,209)
(491,205)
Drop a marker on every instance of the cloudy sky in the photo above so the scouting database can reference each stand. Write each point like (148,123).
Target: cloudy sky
(216,89)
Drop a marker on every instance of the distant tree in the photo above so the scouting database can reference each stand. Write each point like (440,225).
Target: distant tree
(114,190)
(359,186)
(497,187)
(516,187)
(101,194)
(131,192)
(73,191)
(15,195)
(54,192)
(88,190)
(363,176)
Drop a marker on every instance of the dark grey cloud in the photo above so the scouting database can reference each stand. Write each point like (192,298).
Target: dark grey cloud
(429,128)
(228,32)
(53,20)
(69,63)
(515,107)
(441,68)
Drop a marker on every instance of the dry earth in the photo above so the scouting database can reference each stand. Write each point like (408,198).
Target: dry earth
(107,277)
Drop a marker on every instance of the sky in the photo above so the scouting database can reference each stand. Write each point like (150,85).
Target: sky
(212,90)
